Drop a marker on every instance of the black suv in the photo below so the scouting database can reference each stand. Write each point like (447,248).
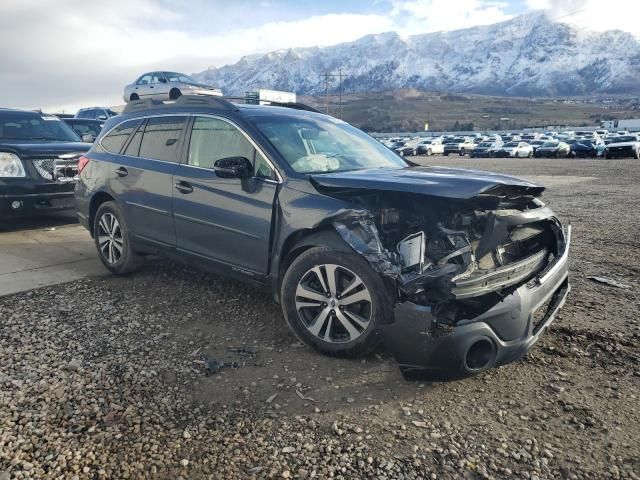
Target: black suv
(457,270)
(38,163)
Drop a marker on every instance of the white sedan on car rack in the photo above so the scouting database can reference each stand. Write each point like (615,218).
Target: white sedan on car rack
(166,86)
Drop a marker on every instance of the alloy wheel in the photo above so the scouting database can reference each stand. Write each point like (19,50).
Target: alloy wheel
(110,240)
(333,303)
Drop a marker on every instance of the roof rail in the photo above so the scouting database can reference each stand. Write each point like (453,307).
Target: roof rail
(181,102)
(222,103)
(296,106)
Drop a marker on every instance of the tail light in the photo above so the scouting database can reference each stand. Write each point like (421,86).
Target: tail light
(82,162)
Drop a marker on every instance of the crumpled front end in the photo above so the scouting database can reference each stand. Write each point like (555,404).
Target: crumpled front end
(476,281)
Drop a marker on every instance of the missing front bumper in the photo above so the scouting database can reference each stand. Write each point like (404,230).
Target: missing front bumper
(424,349)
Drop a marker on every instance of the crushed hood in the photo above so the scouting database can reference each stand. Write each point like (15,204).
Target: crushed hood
(454,183)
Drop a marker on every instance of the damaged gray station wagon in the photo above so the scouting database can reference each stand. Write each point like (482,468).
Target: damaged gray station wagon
(456,270)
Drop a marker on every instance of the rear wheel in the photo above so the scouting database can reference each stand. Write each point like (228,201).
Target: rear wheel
(334,301)
(462,152)
(134,97)
(111,236)
(429,152)
(174,94)
(530,155)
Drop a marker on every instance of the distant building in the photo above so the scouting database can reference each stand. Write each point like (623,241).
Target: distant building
(265,96)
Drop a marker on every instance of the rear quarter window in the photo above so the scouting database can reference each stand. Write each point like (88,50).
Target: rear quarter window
(116,138)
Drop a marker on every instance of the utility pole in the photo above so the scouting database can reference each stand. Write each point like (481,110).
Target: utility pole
(327,76)
(331,76)
(340,75)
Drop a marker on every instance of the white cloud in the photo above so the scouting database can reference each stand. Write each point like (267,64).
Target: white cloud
(63,54)
(593,14)
(70,55)
(421,16)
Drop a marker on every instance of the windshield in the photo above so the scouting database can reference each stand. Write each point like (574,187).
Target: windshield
(550,144)
(179,77)
(317,144)
(485,144)
(511,144)
(626,138)
(21,126)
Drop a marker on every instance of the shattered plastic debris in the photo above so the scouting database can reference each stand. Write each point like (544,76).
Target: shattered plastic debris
(358,229)
(608,281)
(272,398)
(213,366)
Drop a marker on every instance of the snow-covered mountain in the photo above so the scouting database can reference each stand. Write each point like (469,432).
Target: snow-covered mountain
(528,55)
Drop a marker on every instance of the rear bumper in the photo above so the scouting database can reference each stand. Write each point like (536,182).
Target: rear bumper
(35,199)
(499,336)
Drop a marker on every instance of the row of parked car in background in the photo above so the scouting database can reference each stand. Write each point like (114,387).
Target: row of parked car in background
(581,144)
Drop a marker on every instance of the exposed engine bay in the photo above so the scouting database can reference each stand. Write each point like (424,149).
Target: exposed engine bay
(458,257)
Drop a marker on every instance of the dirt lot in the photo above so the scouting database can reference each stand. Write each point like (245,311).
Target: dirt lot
(107,378)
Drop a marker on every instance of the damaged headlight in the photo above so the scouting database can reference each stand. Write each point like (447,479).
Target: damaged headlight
(11,165)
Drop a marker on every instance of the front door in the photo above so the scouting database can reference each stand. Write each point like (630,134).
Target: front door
(220,218)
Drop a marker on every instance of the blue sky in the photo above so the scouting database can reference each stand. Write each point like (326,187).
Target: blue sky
(63,54)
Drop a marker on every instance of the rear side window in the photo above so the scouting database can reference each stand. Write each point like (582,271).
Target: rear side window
(115,140)
(161,138)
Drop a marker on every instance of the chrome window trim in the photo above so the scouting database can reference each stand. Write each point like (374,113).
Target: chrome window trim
(188,115)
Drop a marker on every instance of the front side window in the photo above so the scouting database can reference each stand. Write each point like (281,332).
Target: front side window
(315,144)
(213,139)
(161,138)
(115,140)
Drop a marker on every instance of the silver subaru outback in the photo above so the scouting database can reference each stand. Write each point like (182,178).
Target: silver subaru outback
(166,86)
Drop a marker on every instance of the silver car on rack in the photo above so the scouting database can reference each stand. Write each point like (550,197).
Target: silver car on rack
(166,86)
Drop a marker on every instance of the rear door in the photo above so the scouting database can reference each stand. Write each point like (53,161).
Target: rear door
(227,220)
(142,178)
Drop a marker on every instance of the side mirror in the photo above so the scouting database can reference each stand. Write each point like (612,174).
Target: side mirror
(102,117)
(233,167)
(88,138)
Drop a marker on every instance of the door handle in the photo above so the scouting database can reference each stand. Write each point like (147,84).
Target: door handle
(122,172)
(184,187)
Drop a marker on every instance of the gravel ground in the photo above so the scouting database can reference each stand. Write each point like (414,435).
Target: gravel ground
(118,377)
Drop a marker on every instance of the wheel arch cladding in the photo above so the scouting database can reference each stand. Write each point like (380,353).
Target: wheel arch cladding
(97,200)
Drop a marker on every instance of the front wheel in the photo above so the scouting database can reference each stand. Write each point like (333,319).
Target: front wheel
(429,152)
(530,155)
(462,152)
(335,302)
(111,236)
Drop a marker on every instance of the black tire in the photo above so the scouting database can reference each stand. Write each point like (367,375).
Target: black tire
(530,155)
(557,154)
(128,261)
(429,152)
(379,308)
(608,157)
(637,155)
(446,154)
(174,94)
(462,152)
(134,97)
